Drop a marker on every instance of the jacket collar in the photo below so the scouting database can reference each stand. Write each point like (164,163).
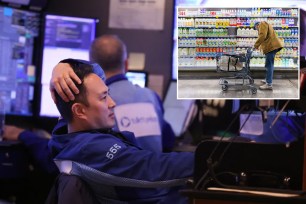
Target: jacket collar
(115,78)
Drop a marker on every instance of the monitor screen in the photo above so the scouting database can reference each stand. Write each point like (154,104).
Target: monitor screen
(18,33)
(64,37)
(178,113)
(139,78)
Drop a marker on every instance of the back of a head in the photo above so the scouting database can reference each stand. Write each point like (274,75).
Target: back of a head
(82,70)
(109,52)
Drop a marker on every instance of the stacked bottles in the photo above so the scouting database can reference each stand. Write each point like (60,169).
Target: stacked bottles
(246,42)
(212,22)
(185,22)
(202,12)
(202,32)
(266,12)
(290,42)
(287,32)
(197,61)
(207,42)
(279,62)
(187,42)
(247,32)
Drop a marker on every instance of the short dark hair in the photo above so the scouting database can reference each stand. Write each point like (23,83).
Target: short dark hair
(109,52)
(82,70)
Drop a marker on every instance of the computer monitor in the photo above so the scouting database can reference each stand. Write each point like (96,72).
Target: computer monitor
(64,37)
(18,34)
(178,113)
(139,78)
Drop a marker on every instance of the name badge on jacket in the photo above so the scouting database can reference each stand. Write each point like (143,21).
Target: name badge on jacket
(139,118)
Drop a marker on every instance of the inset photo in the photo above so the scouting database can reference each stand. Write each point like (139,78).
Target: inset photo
(238,53)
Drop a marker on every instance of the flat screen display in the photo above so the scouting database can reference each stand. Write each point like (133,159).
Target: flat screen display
(18,34)
(139,78)
(178,113)
(64,37)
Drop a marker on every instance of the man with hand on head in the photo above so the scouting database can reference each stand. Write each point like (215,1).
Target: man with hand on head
(132,101)
(91,141)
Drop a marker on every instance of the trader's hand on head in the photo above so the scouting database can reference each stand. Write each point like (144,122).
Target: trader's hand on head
(63,82)
(12,132)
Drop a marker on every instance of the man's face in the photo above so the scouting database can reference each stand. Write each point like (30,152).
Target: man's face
(256,27)
(100,112)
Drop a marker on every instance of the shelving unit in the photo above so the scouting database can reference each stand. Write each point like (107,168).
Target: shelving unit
(204,33)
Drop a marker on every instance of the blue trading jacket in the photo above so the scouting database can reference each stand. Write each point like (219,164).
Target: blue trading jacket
(96,150)
(123,92)
(38,148)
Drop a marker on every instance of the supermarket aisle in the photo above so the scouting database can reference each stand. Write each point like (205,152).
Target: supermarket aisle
(210,88)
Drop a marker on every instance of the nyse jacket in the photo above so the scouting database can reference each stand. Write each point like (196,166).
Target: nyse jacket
(267,38)
(124,92)
(127,162)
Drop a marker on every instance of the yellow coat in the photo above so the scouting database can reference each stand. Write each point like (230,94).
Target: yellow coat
(267,38)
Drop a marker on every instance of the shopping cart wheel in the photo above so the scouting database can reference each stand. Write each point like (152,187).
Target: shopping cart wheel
(224,87)
(254,90)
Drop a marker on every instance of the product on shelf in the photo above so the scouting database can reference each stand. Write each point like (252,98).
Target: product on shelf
(204,33)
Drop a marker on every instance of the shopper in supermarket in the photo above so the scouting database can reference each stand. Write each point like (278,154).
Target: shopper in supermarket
(155,177)
(110,53)
(270,44)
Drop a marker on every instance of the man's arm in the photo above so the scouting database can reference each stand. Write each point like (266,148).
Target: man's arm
(63,82)
(119,159)
(37,146)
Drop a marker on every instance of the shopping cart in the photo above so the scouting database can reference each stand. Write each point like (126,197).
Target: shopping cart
(238,67)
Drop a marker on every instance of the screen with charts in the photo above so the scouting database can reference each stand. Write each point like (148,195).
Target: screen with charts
(64,37)
(18,34)
(178,113)
(139,78)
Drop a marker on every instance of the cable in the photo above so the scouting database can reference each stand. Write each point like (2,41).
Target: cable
(209,160)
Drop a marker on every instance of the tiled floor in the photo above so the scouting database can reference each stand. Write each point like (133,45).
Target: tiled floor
(210,88)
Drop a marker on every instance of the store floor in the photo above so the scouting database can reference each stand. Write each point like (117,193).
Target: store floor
(210,88)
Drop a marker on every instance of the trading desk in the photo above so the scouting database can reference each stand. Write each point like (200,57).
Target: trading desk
(267,166)
(21,179)
(217,197)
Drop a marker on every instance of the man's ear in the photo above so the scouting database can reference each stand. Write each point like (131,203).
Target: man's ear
(126,65)
(78,110)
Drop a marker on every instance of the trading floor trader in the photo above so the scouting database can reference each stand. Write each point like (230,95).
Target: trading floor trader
(132,101)
(91,141)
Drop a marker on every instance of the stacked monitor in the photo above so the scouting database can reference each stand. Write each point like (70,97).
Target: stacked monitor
(178,113)
(18,34)
(64,37)
(139,78)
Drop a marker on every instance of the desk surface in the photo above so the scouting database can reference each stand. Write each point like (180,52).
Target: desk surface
(239,197)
